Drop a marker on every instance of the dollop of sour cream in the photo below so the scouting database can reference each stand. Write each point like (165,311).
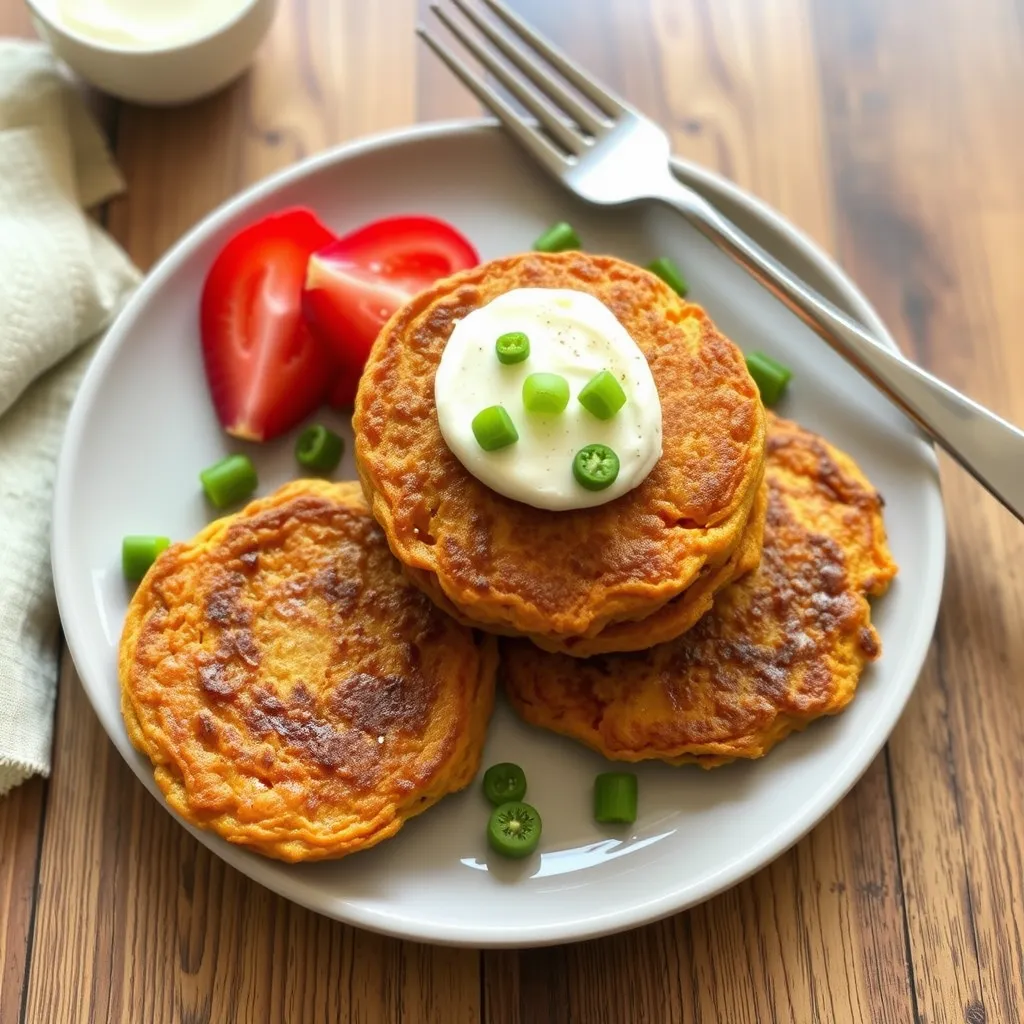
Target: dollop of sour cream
(573,334)
(147,24)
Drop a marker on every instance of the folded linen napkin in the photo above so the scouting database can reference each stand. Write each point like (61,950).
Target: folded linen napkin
(62,280)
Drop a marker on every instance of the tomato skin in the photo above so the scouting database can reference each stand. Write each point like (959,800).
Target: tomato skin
(342,393)
(355,284)
(265,369)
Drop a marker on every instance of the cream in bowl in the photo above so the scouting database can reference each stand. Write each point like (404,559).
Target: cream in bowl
(157,52)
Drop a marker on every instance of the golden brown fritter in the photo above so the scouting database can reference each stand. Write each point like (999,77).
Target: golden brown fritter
(685,610)
(295,692)
(783,646)
(507,566)
(669,621)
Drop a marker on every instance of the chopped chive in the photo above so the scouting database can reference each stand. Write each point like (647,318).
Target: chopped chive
(595,467)
(545,393)
(514,829)
(602,395)
(770,376)
(513,347)
(669,273)
(504,782)
(493,428)
(229,481)
(558,238)
(139,552)
(319,449)
(615,797)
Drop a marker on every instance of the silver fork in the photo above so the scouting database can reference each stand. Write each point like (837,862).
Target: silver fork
(607,153)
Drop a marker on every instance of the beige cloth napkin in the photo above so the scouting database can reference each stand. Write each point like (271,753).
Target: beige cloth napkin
(62,279)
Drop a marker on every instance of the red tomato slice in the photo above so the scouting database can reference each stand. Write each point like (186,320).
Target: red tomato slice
(266,371)
(354,284)
(342,393)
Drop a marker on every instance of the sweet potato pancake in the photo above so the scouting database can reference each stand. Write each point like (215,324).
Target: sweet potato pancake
(671,620)
(781,647)
(508,566)
(675,617)
(295,693)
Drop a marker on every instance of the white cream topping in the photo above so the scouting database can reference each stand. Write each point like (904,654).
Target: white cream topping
(571,333)
(147,24)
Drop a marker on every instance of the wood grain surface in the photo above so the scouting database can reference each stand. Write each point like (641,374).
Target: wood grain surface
(890,130)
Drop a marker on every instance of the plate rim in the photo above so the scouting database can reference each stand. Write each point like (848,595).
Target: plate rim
(299,890)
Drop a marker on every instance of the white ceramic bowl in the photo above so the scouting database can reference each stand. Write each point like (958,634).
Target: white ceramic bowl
(160,76)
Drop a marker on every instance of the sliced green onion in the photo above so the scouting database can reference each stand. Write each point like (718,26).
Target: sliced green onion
(514,829)
(545,392)
(595,467)
(615,797)
(669,273)
(770,376)
(319,449)
(602,395)
(513,347)
(493,428)
(229,481)
(139,552)
(558,238)
(504,782)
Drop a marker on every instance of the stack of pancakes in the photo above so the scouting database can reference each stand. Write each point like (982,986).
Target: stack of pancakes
(614,577)
(704,615)
(309,673)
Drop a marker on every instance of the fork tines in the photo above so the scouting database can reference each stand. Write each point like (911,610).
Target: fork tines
(571,109)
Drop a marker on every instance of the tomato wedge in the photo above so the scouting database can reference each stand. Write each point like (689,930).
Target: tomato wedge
(265,368)
(354,284)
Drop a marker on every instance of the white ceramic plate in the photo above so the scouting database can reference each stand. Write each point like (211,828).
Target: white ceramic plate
(142,427)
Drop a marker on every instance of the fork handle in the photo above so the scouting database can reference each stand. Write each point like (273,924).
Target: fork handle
(988,447)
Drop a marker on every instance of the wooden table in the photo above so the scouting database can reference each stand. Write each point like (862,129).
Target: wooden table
(892,132)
